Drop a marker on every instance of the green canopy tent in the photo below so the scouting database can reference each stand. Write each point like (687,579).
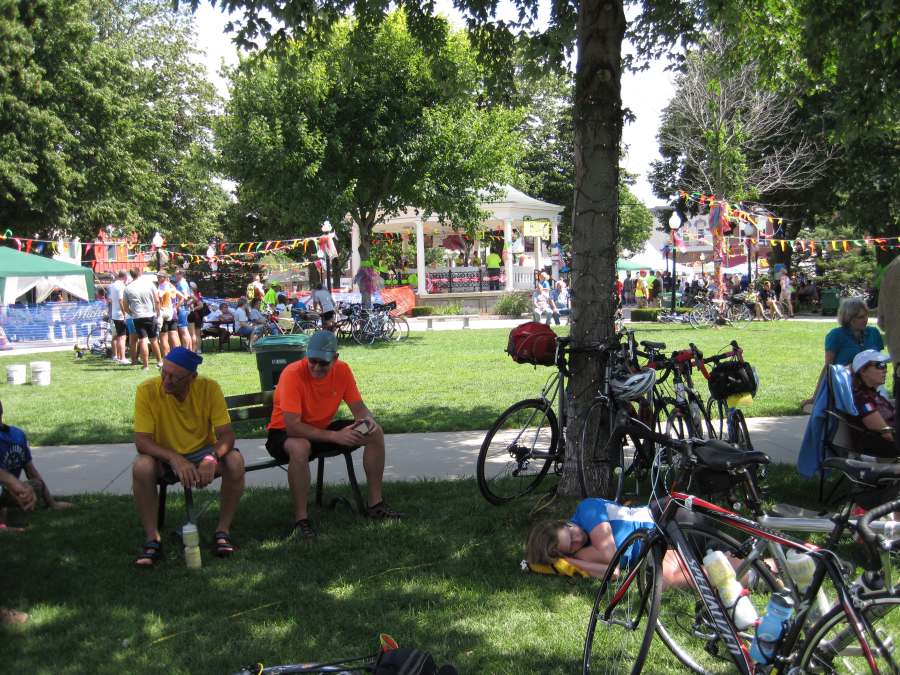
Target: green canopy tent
(20,272)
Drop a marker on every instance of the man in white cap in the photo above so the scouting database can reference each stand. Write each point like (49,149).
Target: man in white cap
(876,412)
(308,394)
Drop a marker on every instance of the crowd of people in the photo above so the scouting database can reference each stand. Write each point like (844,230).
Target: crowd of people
(647,288)
(550,300)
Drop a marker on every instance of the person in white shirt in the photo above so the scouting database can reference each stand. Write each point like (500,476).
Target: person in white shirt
(117,316)
(247,322)
(321,298)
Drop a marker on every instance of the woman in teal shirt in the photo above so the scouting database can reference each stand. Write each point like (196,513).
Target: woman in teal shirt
(849,339)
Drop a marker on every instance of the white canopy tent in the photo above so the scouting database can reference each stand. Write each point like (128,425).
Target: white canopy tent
(511,210)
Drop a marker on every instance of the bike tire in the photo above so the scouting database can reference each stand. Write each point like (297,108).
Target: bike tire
(532,420)
(716,413)
(696,645)
(364,333)
(740,435)
(401,327)
(831,643)
(630,622)
(597,425)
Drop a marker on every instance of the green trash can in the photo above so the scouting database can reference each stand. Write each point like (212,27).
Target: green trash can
(274,353)
(829,301)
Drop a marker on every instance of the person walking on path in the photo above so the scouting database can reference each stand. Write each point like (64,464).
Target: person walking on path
(183,434)
(307,396)
(143,305)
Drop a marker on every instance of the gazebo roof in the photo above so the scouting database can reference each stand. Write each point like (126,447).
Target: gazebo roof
(512,205)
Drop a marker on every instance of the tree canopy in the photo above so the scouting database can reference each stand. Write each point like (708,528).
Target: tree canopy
(367,123)
(106,120)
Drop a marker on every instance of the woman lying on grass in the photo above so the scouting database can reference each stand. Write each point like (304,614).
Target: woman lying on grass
(590,538)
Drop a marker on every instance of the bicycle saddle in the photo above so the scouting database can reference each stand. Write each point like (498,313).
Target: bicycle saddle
(658,346)
(870,473)
(714,454)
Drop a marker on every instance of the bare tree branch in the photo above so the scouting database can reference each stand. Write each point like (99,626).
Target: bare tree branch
(731,137)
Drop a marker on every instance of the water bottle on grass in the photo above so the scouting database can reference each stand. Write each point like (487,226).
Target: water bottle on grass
(191,540)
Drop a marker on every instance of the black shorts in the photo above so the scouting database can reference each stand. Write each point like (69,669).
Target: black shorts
(328,316)
(196,318)
(145,327)
(276,438)
(169,325)
(120,327)
(170,478)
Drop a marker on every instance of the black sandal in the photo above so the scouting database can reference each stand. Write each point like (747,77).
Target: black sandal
(152,552)
(224,546)
(382,511)
(303,529)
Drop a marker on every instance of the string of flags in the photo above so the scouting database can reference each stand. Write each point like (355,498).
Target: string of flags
(722,214)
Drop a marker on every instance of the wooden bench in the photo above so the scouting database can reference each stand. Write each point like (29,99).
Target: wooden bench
(449,317)
(259,406)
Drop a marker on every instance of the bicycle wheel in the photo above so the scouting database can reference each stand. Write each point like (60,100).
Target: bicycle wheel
(684,625)
(364,332)
(517,451)
(401,328)
(740,435)
(717,412)
(627,605)
(832,646)
(740,316)
(596,447)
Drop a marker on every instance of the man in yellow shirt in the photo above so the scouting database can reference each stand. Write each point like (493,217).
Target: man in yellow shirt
(183,434)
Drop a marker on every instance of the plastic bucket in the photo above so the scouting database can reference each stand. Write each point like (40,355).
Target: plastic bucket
(40,373)
(15,374)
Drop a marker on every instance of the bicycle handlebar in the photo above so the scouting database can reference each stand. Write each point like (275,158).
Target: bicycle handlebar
(865,530)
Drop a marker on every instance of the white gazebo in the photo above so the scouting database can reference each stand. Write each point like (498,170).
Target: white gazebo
(513,209)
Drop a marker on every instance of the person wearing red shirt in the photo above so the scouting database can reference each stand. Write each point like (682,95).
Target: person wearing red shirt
(308,394)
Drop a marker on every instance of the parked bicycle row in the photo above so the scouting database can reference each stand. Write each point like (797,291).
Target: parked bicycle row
(740,595)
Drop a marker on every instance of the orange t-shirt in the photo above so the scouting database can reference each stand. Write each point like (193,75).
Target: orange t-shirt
(316,401)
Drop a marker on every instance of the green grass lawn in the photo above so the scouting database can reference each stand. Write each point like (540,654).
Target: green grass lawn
(446,579)
(435,381)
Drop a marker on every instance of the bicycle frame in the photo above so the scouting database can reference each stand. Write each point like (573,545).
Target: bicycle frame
(693,570)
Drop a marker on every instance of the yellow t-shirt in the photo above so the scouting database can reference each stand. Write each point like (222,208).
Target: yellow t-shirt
(182,426)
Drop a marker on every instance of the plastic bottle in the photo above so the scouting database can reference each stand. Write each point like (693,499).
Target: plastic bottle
(771,629)
(731,593)
(191,540)
(802,567)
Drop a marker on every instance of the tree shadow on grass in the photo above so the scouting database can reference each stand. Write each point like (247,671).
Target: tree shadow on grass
(445,579)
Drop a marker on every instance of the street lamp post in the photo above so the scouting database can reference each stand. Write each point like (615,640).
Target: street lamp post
(674,226)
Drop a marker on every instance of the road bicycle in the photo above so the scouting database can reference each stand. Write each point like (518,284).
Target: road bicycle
(725,418)
(528,440)
(734,311)
(97,341)
(366,326)
(604,438)
(628,601)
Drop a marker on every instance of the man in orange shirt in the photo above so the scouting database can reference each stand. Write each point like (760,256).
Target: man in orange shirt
(308,394)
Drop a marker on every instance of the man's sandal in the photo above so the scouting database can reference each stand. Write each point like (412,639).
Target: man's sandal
(151,554)
(224,546)
(381,511)
(302,529)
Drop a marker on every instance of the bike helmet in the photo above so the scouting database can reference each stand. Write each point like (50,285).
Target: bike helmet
(629,387)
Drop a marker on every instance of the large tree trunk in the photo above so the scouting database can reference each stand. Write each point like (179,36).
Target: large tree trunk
(595,232)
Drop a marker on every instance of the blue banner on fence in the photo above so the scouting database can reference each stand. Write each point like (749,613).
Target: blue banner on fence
(50,322)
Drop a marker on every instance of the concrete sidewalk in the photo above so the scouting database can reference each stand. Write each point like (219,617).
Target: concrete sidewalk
(80,469)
